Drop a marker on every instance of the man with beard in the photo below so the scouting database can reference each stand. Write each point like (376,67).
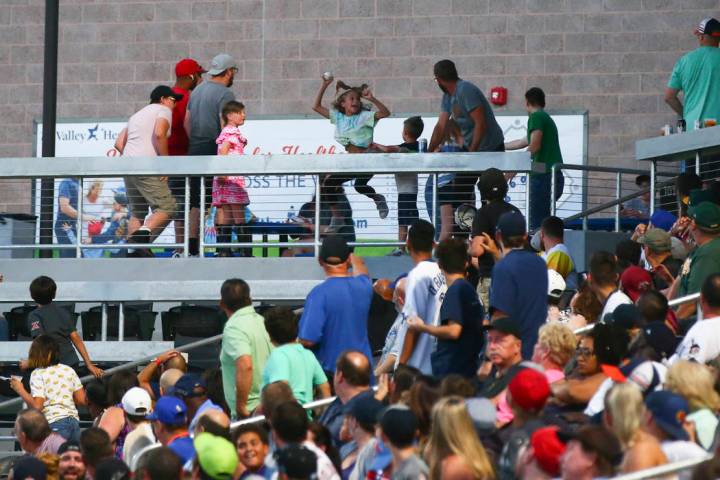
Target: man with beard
(202,125)
(72,465)
(466,104)
(188,73)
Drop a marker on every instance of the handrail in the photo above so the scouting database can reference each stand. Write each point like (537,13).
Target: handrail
(132,364)
(594,168)
(212,165)
(662,470)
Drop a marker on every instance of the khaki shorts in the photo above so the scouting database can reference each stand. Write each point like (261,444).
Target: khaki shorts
(149,193)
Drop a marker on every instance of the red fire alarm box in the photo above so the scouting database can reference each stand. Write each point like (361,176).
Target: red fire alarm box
(498,96)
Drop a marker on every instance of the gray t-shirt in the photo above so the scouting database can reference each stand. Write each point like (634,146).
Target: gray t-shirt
(205,106)
(58,323)
(467,98)
(413,468)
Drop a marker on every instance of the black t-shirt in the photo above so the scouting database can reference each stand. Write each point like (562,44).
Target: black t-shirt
(412,146)
(461,305)
(58,323)
(485,221)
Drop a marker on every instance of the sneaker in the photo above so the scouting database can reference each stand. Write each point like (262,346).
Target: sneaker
(140,236)
(398,252)
(382,206)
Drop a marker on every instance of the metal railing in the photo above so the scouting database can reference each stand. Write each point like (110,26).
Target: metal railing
(254,168)
(663,470)
(620,176)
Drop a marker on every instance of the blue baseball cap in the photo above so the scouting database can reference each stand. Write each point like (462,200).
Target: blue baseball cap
(511,224)
(169,411)
(663,219)
(186,385)
(668,412)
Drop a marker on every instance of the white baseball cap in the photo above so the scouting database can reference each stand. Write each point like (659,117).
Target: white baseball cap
(136,401)
(556,284)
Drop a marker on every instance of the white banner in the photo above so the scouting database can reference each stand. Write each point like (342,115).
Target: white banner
(275,198)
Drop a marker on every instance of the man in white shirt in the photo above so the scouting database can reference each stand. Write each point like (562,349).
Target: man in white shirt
(666,412)
(702,341)
(424,292)
(137,404)
(604,281)
(146,135)
(557,256)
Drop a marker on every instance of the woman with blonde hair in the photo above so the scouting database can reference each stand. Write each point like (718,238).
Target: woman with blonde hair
(554,348)
(696,384)
(454,451)
(624,414)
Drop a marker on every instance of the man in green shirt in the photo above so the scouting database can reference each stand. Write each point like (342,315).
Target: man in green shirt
(544,147)
(705,259)
(697,75)
(245,348)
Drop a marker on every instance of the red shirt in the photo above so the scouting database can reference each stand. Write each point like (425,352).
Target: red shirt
(178,141)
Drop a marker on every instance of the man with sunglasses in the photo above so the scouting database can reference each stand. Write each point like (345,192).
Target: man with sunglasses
(202,125)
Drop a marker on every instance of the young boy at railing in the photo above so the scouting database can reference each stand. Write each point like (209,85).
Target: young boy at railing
(407,183)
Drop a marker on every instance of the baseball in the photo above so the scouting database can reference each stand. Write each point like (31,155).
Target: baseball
(328,75)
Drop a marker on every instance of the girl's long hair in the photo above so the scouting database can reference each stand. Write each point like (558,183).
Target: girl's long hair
(453,433)
(625,408)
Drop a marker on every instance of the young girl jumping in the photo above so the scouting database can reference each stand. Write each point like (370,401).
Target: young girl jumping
(228,193)
(354,124)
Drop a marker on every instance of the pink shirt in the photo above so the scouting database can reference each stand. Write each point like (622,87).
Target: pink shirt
(233,136)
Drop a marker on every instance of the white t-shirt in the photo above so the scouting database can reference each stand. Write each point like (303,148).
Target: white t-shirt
(406,182)
(325,468)
(56,384)
(615,299)
(642,376)
(140,129)
(701,342)
(679,450)
(424,292)
(135,441)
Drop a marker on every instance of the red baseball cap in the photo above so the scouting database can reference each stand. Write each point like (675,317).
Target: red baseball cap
(188,66)
(529,389)
(547,449)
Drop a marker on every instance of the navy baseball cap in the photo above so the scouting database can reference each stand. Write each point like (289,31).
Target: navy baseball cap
(506,325)
(511,224)
(364,407)
(186,385)
(668,412)
(170,411)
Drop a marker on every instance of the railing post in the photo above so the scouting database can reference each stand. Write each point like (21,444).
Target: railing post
(699,311)
(79,222)
(618,194)
(121,322)
(697,163)
(316,238)
(653,181)
(553,186)
(434,201)
(186,219)
(201,229)
(527,201)
(103,323)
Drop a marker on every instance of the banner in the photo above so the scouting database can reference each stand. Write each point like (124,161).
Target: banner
(276,198)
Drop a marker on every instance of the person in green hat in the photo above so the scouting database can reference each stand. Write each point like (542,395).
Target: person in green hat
(657,247)
(216,458)
(704,260)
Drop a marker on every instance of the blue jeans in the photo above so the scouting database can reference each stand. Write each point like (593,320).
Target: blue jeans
(68,428)
(63,238)
(540,186)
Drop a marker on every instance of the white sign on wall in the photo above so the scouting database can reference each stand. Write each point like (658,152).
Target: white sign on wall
(275,198)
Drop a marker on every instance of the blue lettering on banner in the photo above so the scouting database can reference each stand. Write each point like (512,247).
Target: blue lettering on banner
(361,223)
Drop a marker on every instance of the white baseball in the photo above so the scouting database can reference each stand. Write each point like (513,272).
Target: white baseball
(328,75)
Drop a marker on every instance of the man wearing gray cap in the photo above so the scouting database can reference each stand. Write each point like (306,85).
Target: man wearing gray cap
(202,124)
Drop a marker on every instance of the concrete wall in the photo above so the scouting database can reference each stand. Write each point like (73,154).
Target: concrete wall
(611,57)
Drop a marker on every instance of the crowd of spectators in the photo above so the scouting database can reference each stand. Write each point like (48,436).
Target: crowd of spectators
(525,368)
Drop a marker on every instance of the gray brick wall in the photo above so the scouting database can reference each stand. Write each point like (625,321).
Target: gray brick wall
(611,57)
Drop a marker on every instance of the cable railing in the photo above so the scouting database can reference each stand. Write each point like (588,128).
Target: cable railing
(610,183)
(283,192)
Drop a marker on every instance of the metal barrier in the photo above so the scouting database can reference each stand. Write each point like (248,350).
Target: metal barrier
(276,171)
(691,145)
(594,197)
(662,470)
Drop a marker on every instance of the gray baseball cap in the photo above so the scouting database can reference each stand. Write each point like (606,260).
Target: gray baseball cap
(221,63)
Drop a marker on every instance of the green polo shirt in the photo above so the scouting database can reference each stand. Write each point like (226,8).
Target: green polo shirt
(697,74)
(244,334)
(701,263)
(549,152)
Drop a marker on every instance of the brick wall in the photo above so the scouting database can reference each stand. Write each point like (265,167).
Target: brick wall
(611,57)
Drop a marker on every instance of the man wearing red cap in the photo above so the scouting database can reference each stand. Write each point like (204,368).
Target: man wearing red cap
(541,458)
(188,75)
